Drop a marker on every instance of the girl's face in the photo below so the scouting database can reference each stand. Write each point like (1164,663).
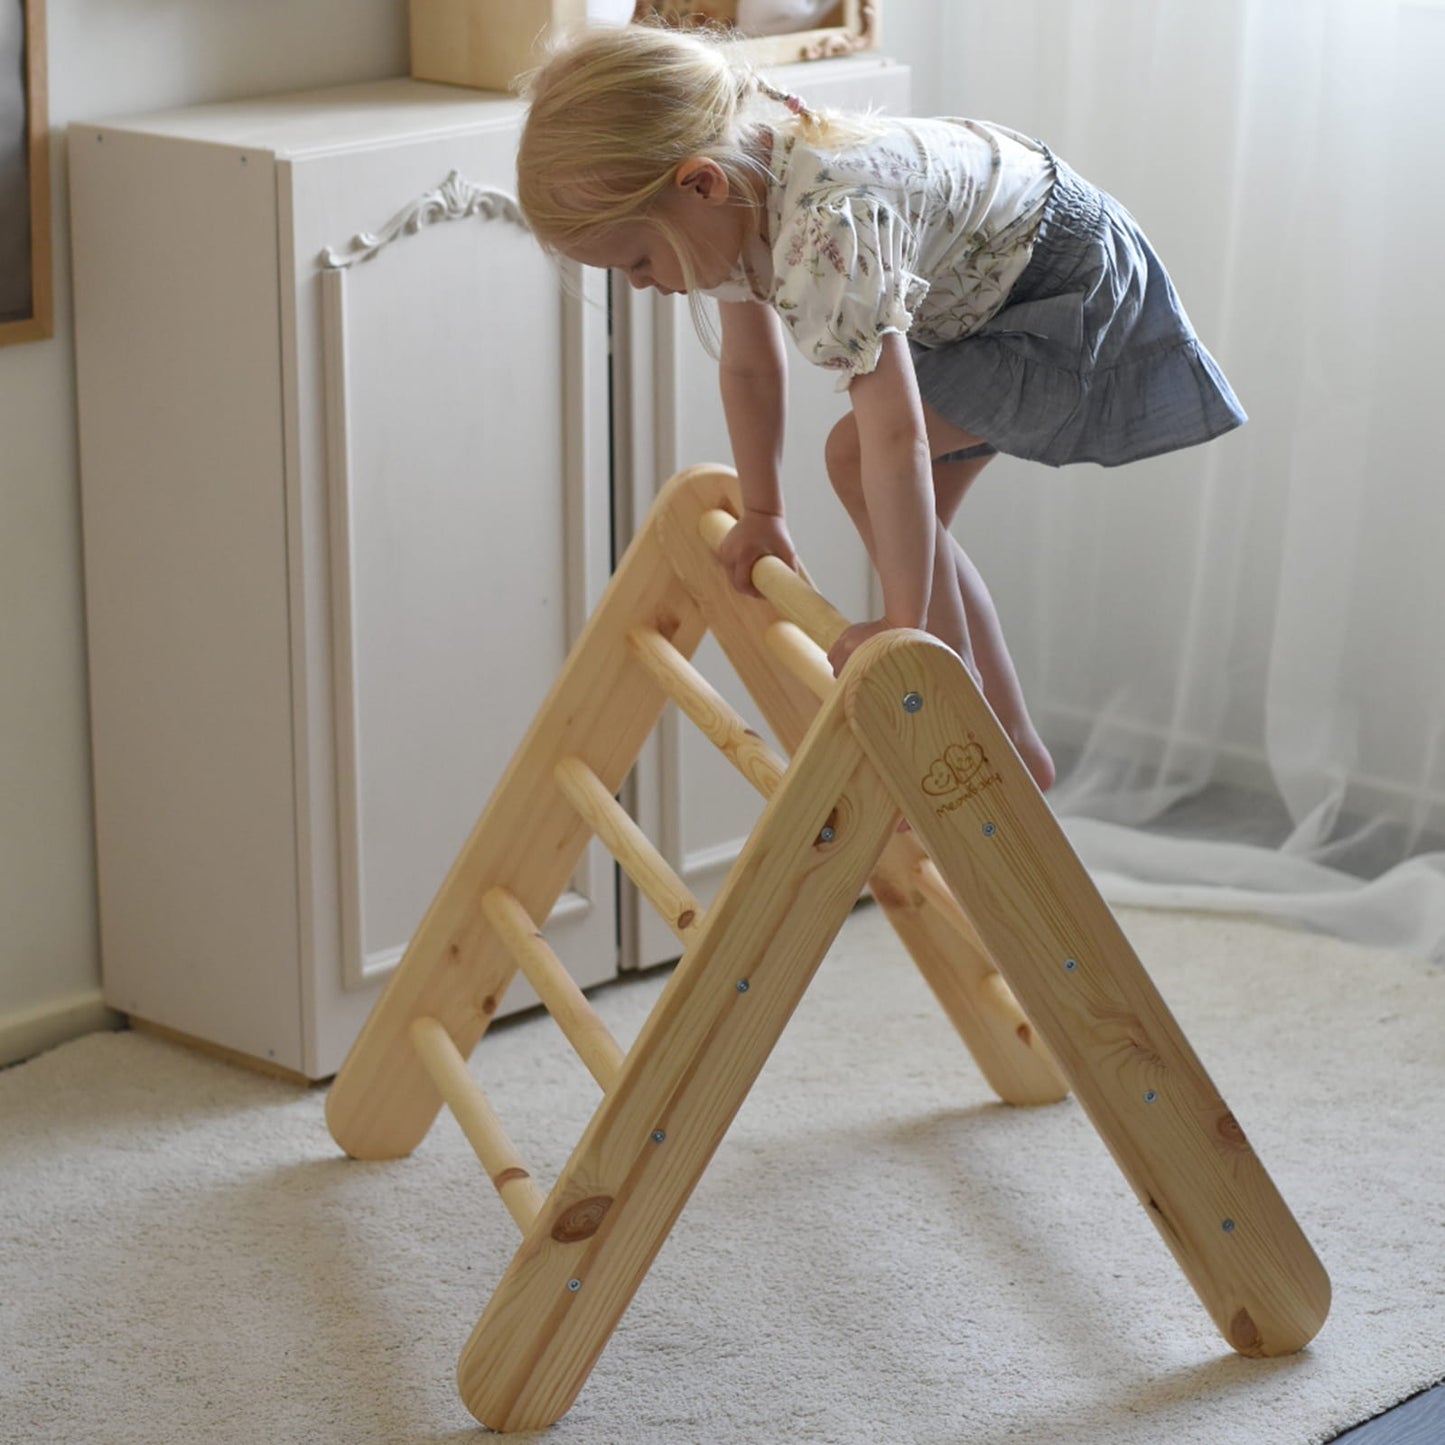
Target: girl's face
(641,253)
(696,210)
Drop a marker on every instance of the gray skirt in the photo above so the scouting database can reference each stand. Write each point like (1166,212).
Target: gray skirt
(1092,358)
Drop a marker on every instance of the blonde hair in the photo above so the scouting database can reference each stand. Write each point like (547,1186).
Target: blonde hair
(616,110)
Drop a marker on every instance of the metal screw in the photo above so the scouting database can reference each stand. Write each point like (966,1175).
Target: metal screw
(658,1135)
(1228,1226)
(989,830)
(1070,964)
(743,985)
(827,835)
(912,702)
(574,1285)
(1150,1096)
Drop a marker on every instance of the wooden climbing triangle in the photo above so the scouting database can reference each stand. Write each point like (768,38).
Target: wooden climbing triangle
(984,890)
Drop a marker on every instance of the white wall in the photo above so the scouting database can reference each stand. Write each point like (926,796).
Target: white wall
(113,57)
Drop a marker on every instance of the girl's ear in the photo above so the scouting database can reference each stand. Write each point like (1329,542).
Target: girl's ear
(704,179)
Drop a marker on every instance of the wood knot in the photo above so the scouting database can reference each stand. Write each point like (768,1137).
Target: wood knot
(489,1005)
(1026,1035)
(1231,1133)
(667,625)
(887,895)
(454,951)
(685,919)
(582,1220)
(508,1175)
(1244,1335)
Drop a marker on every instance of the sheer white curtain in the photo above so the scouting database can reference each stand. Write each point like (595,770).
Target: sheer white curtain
(1240,650)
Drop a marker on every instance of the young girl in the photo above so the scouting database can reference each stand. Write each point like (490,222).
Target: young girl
(973,293)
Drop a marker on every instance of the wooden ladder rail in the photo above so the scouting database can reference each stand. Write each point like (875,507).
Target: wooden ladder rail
(795,626)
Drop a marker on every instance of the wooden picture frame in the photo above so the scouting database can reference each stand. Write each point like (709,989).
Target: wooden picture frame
(26,294)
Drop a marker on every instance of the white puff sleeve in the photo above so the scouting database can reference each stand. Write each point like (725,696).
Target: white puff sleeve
(844,269)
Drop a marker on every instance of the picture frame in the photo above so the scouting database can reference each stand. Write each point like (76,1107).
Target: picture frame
(26,293)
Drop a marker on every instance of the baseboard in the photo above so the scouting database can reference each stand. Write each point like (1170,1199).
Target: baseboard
(29,1032)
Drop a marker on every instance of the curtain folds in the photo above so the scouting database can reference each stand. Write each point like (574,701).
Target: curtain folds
(1239,651)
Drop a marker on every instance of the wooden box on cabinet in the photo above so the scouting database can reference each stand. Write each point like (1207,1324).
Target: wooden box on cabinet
(344,452)
(490,43)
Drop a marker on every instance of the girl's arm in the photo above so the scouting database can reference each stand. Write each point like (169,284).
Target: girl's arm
(897,476)
(753,373)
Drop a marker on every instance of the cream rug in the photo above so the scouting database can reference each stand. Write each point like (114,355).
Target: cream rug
(879,1253)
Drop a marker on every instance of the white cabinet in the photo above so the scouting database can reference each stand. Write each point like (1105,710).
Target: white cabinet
(341,526)
(347,456)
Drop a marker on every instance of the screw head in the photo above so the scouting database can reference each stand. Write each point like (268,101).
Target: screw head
(1150,1096)
(574,1285)
(1070,964)
(743,985)
(1228,1226)
(658,1135)
(989,830)
(912,702)
(827,835)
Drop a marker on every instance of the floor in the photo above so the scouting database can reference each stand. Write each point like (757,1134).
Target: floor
(1419,1421)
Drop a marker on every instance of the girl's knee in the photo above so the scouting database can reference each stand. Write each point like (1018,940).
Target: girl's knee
(842,457)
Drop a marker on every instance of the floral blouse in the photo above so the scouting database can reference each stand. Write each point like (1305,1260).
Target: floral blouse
(921,229)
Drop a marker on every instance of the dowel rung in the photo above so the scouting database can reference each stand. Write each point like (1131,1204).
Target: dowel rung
(790,593)
(556,987)
(706,708)
(478,1120)
(802,657)
(632,848)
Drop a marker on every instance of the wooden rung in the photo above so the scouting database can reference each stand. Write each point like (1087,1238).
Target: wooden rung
(801,656)
(706,707)
(791,594)
(448,1069)
(555,986)
(632,848)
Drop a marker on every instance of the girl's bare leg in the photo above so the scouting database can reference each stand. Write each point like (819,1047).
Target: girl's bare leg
(961,611)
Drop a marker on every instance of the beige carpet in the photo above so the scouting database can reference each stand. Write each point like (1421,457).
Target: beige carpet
(879,1253)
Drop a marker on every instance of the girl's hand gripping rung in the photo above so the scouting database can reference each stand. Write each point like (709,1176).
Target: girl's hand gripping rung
(793,596)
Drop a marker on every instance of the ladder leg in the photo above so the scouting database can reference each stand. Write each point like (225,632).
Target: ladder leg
(682,1082)
(961,786)
(1007,1050)
(946,947)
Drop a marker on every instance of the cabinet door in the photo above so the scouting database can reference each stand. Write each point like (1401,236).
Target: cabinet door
(668,415)
(453,507)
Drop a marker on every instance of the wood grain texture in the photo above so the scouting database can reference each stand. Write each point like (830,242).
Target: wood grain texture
(1002,854)
(478,1121)
(684,1079)
(946,949)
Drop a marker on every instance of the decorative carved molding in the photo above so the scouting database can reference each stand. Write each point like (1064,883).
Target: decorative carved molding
(454,200)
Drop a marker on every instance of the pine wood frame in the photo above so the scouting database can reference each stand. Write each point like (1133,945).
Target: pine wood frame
(984,891)
(40,324)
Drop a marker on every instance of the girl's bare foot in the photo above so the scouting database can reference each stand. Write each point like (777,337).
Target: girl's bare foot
(1035,757)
